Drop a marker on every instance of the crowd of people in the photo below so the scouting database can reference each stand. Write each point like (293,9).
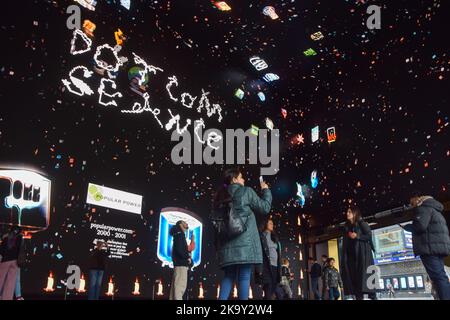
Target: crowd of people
(244,249)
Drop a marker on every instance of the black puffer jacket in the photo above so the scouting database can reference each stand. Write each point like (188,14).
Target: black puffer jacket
(429,230)
(180,252)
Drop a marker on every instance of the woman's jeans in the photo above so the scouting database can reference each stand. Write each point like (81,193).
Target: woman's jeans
(241,274)
(334,293)
(95,284)
(17,290)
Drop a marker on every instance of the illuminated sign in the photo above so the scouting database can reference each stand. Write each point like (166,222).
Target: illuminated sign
(239,94)
(310,52)
(88,4)
(269,124)
(126,4)
(269,77)
(331,134)
(258,63)
(89,28)
(167,219)
(119,36)
(314,179)
(315,134)
(317,36)
(300,196)
(222,6)
(24,199)
(262,96)
(254,130)
(114,199)
(270,11)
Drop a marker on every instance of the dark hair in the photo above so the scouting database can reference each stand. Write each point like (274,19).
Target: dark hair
(179,222)
(324,256)
(356,213)
(263,227)
(415,193)
(330,259)
(222,196)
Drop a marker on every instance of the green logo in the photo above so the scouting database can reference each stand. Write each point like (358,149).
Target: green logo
(95,193)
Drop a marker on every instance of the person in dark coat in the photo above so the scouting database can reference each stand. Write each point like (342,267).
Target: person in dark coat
(239,255)
(431,240)
(181,258)
(270,270)
(315,273)
(99,257)
(357,247)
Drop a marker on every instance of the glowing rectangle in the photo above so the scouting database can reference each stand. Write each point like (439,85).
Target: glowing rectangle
(331,134)
(167,219)
(239,94)
(315,134)
(254,130)
(114,199)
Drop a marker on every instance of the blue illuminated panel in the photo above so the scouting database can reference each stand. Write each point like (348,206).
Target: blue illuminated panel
(167,219)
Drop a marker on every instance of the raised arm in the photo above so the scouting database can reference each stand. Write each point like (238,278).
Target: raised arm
(261,204)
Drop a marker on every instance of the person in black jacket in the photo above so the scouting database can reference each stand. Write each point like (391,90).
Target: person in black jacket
(357,247)
(270,270)
(315,274)
(181,258)
(431,240)
(98,265)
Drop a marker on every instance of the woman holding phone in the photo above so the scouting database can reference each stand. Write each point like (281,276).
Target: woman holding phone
(238,255)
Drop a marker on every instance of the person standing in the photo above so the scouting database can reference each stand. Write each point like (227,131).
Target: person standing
(10,248)
(333,280)
(431,240)
(18,287)
(357,247)
(324,266)
(315,273)
(270,270)
(238,255)
(181,259)
(286,278)
(99,257)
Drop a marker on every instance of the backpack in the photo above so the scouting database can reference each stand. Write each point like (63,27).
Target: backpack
(227,223)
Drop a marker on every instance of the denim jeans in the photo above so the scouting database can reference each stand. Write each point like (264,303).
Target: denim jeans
(95,284)
(315,287)
(17,290)
(435,269)
(334,293)
(241,274)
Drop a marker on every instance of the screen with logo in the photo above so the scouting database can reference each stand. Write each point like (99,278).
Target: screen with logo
(392,244)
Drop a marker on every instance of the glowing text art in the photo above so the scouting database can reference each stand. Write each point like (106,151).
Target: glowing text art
(108,93)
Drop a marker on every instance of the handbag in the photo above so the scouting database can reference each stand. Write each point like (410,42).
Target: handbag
(227,222)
